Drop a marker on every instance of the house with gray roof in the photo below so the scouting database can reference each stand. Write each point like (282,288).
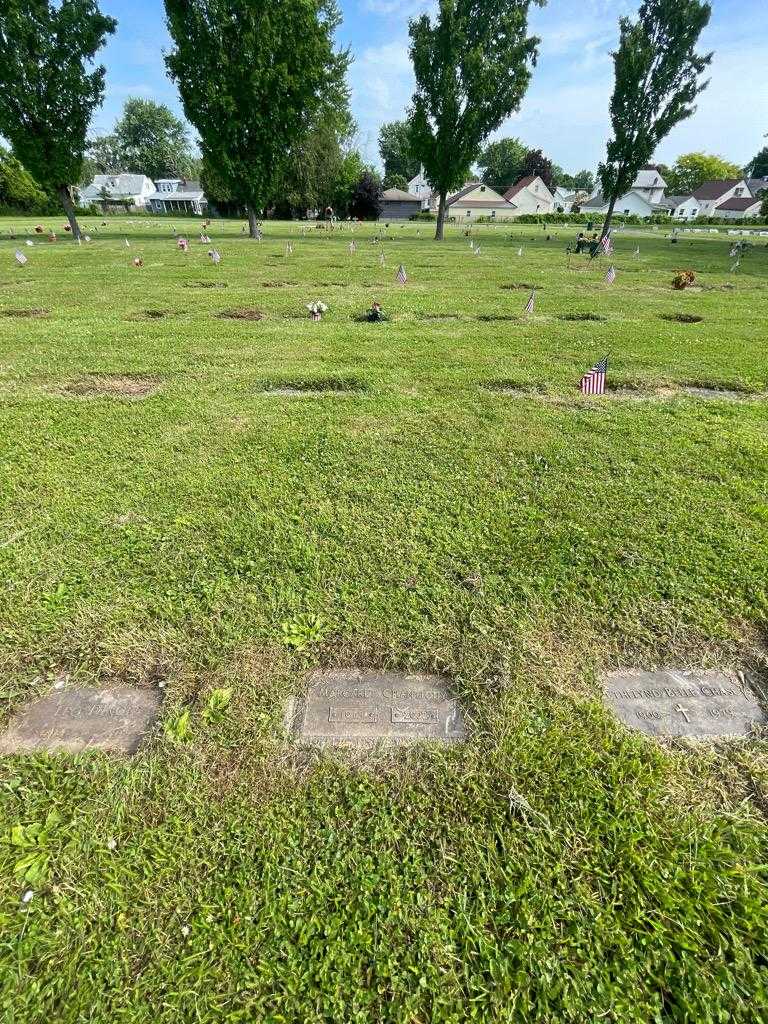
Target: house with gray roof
(130,190)
(177,195)
(397,204)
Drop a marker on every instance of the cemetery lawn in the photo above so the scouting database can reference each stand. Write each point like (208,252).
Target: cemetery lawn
(447,503)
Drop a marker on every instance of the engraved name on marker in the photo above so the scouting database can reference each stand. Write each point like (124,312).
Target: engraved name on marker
(366,707)
(83,719)
(695,703)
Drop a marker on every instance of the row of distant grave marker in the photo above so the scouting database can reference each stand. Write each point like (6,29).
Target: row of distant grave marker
(360,707)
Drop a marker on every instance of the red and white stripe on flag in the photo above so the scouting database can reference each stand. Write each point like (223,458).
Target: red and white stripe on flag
(531,302)
(593,381)
(402,277)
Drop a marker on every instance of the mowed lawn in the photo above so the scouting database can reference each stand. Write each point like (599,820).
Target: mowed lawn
(447,503)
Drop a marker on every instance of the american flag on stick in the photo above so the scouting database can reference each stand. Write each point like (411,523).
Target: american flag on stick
(607,244)
(21,259)
(401,277)
(215,256)
(610,276)
(351,247)
(593,381)
(382,259)
(520,251)
(530,303)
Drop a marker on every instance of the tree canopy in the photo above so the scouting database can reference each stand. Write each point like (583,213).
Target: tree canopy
(692,169)
(536,163)
(758,166)
(472,64)
(395,150)
(254,80)
(657,78)
(582,180)
(151,140)
(501,162)
(18,189)
(47,95)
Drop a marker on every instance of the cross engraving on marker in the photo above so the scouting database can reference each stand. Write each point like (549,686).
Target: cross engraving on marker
(681,709)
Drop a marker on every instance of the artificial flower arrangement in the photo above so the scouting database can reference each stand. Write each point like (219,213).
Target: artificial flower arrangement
(316,310)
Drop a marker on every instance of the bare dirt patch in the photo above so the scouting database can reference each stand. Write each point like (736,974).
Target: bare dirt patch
(438,316)
(490,318)
(521,286)
(151,314)
(245,313)
(206,284)
(25,312)
(112,385)
(712,392)
(681,318)
(279,284)
(582,316)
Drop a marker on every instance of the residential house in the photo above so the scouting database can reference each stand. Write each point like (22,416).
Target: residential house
(176,195)
(712,193)
(130,190)
(568,200)
(649,184)
(632,204)
(478,200)
(420,187)
(682,207)
(530,195)
(737,208)
(398,205)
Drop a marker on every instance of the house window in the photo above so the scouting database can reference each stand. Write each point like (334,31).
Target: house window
(493,213)
(482,188)
(469,213)
(738,191)
(626,213)
(694,212)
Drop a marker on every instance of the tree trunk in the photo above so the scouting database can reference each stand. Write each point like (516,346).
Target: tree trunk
(253,223)
(69,208)
(608,216)
(440,218)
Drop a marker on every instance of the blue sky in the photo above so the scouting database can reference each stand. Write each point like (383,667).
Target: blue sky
(565,111)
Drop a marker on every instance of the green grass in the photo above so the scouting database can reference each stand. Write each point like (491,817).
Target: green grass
(217,533)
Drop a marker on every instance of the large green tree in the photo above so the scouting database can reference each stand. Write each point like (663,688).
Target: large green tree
(18,189)
(151,140)
(582,180)
(501,162)
(758,166)
(254,78)
(472,64)
(47,93)
(396,151)
(103,152)
(536,164)
(692,169)
(658,77)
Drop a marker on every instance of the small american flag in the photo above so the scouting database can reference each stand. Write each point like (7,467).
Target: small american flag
(382,260)
(607,244)
(351,247)
(127,244)
(530,303)
(593,381)
(401,277)
(477,250)
(288,249)
(735,266)
(21,259)
(520,251)
(471,244)
(215,256)
(610,276)
(637,251)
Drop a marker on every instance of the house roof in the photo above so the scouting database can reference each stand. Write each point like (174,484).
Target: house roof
(648,177)
(715,189)
(117,184)
(396,195)
(458,196)
(674,201)
(757,185)
(519,186)
(595,202)
(736,203)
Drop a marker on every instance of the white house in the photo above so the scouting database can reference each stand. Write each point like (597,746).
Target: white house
(682,207)
(176,195)
(632,204)
(739,208)
(530,195)
(419,186)
(565,199)
(133,189)
(649,184)
(478,200)
(758,186)
(712,193)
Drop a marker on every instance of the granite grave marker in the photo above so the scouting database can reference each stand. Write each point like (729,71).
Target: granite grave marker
(83,719)
(362,708)
(703,704)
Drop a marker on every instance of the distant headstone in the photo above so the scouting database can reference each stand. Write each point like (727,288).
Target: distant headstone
(363,708)
(705,704)
(84,719)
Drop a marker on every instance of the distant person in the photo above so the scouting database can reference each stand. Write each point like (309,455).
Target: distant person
(580,242)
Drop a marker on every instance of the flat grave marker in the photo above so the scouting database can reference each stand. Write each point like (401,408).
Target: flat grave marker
(71,721)
(362,708)
(700,704)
